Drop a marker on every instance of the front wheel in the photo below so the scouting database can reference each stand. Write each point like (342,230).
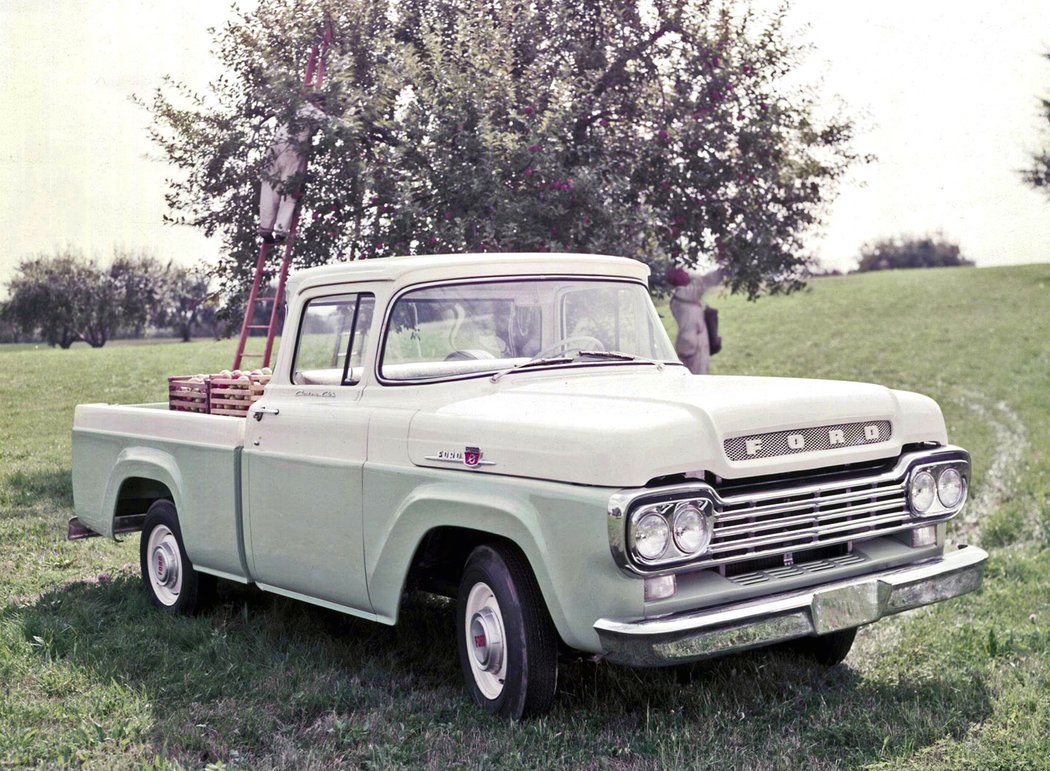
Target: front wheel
(171,582)
(507,643)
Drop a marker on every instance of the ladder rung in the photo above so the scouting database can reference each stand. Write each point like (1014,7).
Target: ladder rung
(250,354)
(265,299)
(259,326)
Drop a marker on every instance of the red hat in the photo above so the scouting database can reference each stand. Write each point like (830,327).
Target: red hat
(677,275)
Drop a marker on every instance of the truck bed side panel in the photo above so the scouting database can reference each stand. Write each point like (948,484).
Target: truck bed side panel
(197,457)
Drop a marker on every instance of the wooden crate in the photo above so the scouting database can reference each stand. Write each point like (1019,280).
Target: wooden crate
(188,394)
(234,395)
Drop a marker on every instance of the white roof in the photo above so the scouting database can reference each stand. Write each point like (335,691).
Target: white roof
(438,266)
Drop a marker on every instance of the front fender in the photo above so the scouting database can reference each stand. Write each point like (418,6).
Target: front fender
(561,529)
(442,504)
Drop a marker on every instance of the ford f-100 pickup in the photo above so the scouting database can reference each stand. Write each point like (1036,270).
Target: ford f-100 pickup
(515,431)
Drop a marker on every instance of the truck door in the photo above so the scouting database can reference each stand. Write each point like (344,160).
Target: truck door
(305,447)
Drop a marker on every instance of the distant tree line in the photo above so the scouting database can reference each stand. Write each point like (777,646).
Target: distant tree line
(65,297)
(911,252)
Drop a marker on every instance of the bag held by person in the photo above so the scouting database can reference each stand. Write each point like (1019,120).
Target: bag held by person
(711,322)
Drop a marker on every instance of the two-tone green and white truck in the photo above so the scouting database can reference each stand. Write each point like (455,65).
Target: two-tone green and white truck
(516,432)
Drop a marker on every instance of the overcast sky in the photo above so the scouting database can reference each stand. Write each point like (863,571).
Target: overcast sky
(945,95)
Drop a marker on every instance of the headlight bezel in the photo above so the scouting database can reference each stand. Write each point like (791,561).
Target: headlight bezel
(673,554)
(937,508)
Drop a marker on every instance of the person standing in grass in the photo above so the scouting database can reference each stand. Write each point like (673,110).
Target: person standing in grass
(692,343)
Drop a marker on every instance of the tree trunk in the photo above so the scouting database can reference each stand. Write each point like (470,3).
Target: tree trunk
(186,327)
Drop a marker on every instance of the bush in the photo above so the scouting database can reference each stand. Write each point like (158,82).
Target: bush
(909,252)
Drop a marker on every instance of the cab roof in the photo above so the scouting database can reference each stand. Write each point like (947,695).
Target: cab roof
(441,266)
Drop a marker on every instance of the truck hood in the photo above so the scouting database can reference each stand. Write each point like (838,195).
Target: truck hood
(625,427)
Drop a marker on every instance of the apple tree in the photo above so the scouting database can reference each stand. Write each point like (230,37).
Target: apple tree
(672,131)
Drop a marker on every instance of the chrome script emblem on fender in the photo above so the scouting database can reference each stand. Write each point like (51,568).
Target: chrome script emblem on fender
(471,457)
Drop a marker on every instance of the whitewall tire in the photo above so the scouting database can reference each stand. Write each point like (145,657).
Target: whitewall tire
(508,647)
(171,582)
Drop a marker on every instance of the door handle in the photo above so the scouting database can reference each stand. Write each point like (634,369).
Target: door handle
(260,411)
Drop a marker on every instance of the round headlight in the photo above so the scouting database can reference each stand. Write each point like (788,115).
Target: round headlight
(691,530)
(651,535)
(922,492)
(950,488)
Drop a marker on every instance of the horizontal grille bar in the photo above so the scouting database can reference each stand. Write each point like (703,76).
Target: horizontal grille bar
(871,532)
(817,518)
(741,512)
(809,535)
(768,524)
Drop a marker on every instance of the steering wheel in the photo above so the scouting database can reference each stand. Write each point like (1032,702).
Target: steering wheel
(572,342)
(469,353)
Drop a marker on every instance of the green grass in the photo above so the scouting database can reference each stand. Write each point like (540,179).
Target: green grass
(90,675)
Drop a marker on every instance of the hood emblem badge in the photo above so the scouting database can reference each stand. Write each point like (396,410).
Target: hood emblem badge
(471,457)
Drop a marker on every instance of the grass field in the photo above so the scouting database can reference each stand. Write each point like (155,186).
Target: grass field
(90,675)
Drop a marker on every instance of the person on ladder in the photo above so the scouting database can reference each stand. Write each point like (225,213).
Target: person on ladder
(282,176)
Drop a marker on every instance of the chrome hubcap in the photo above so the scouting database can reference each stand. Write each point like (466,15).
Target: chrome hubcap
(164,570)
(487,640)
(485,635)
(166,564)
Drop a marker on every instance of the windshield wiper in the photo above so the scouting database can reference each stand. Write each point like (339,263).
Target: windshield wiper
(532,363)
(607,355)
(620,356)
(613,355)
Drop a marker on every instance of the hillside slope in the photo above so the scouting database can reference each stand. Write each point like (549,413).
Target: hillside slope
(90,674)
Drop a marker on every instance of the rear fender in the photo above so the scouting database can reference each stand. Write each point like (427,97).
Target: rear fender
(144,462)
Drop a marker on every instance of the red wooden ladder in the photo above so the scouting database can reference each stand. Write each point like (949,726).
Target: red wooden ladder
(312,80)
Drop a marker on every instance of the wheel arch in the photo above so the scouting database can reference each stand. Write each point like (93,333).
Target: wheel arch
(140,476)
(440,524)
(441,555)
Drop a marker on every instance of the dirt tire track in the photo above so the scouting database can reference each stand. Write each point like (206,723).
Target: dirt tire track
(1000,478)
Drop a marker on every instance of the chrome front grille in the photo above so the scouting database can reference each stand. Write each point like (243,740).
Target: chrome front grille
(780,522)
(762,523)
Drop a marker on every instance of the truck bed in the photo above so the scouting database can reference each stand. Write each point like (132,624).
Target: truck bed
(117,448)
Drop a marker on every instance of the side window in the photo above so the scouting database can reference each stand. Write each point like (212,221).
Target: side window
(333,336)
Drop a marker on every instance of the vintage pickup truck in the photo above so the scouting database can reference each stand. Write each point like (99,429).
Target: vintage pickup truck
(515,431)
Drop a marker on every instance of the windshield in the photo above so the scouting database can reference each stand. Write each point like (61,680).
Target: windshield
(466,329)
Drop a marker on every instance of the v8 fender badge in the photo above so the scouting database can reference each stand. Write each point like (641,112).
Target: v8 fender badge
(471,457)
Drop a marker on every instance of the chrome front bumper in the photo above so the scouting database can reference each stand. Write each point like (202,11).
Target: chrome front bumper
(818,610)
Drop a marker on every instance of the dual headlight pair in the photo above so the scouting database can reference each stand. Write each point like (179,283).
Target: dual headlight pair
(937,489)
(667,532)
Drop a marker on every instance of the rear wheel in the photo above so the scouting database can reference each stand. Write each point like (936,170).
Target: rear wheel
(171,582)
(507,643)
